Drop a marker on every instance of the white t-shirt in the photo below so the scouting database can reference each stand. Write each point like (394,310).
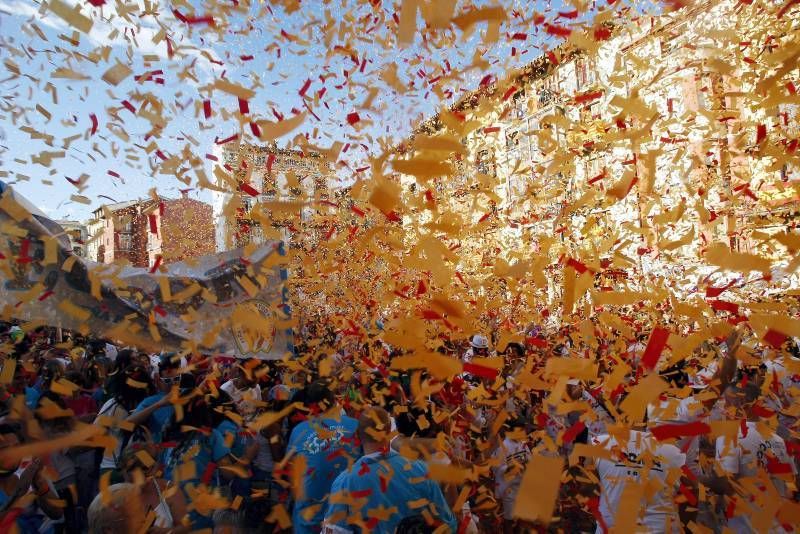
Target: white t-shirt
(113,409)
(513,455)
(745,458)
(642,458)
(597,425)
(244,398)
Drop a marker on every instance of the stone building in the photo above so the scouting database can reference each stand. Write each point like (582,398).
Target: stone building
(250,177)
(642,140)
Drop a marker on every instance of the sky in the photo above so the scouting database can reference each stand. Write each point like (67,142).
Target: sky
(343,53)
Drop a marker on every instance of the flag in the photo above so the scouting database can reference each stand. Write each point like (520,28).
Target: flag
(233,303)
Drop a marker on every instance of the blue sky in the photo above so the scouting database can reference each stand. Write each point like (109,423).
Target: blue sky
(261,47)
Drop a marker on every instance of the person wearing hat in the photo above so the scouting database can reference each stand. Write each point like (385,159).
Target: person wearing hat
(478,347)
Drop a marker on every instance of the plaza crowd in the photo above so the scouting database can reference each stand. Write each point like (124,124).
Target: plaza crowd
(338,439)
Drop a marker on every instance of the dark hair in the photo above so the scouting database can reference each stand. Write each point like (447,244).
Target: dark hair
(124,359)
(8,428)
(169,360)
(127,394)
(319,394)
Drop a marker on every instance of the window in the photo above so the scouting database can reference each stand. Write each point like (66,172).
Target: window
(584,72)
(125,241)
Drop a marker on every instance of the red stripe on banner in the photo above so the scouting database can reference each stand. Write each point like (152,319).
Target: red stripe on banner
(662,432)
(655,345)
(153,223)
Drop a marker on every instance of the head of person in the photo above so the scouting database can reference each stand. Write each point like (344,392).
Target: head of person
(515,351)
(117,510)
(244,375)
(374,429)
(138,462)
(744,399)
(130,386)
(125,358)
(168,374)
(574,389)
(319,398)
(480,345)
(53,415)
(51,371)
(10,437)
(95,348)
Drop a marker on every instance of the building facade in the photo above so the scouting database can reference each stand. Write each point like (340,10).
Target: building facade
(633,152)
(77,233)
(251,178)
(145,232)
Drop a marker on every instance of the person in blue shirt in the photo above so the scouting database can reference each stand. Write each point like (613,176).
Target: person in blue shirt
(328,443)
(156,412)
(195,463)
(376,493)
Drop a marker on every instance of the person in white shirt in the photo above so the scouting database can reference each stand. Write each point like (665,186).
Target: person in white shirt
(641,461)
(243,389)
(511,457)
(756,456)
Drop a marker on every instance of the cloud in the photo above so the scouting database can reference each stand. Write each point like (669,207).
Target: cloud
(118,33)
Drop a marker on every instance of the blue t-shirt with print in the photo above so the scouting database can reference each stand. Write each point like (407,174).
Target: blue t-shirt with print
(329,446)
(201,450)
(383,482)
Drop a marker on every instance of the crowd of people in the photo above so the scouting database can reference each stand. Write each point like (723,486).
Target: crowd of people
(100,438)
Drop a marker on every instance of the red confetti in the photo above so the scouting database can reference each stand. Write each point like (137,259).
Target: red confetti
(724,305)
(556,30)
(572,432)
(775,338)
(244,107)
(153,223)
(670,431)
(353,118)
(249,189)
(602,33)
(655,345)
(305,87)
(509,93)
(95,123)
(761,133)
(481,371)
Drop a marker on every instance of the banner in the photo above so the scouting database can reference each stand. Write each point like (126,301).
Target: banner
(233,303)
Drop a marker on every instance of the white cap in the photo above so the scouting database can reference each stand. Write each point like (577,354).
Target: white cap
(479,341)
